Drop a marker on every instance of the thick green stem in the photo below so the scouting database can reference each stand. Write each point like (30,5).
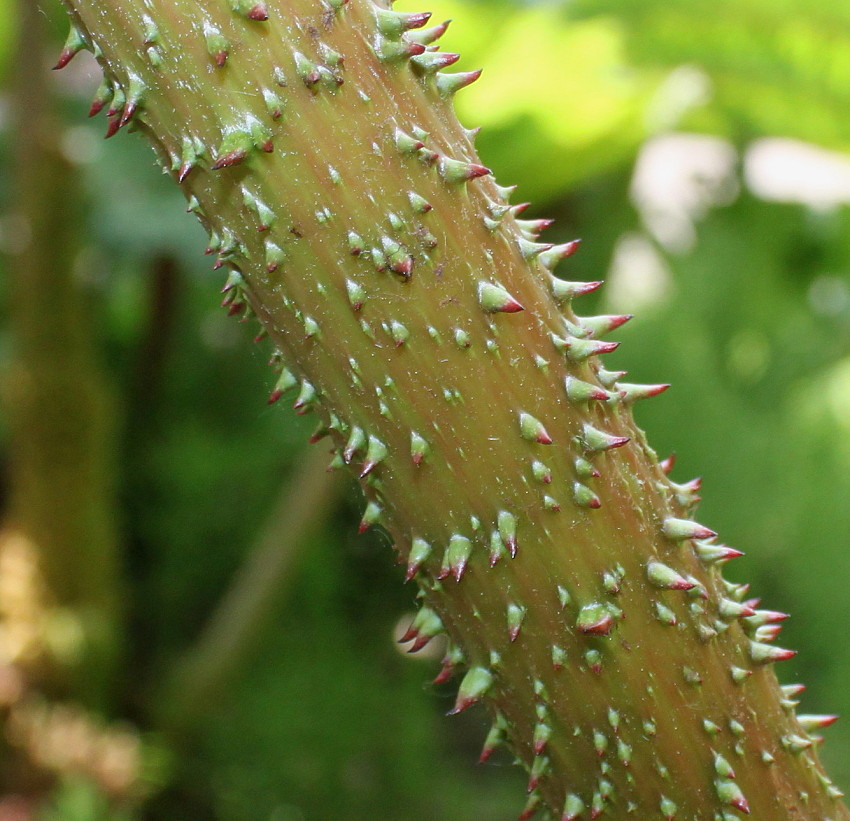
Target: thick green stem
(316,141)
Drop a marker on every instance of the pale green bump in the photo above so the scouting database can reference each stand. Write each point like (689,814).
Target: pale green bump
(371,516)
(356,294)
(532,429)
(730,793)
(234,148)
(395,23)
(579,391)
(594,618)
(563,596)
(664,614)
(74,43)
(396,222)
(551,504)
(418,203)
(739,674)
(274,255)
(681,529)
(497,548)
(583,496)
(462,339)
(449,84)
(311,328)
(336,462)
(398,332)
(529,250)
(356,245)
(376,452)
(691,676)
(668,808)
(737,729)
(420,551)
(795,744)
(494,298)
(710,727)
(356,442)
(649,728)
(405,143)
(722,767)
(761,653)
(119,99)
(573,807)
(540,737)
(515,616)
(418,448)
(306,69)
(585,469)
(559,656)
(532,802)
(596,441)
(609,378)
(541,472)
(457,555)
(306,396)
(597,805)
(474,685)
(218,46)
(600,742)
(495,737)
(664,577)
(274,104)
(456,172)
(507,525)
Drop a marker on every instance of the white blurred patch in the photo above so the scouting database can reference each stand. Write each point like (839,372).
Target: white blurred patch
(684,88)
(785,170)
(829,295)
(638,277)
(677,179)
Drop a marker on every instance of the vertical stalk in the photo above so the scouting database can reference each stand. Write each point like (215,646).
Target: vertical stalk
(60,414)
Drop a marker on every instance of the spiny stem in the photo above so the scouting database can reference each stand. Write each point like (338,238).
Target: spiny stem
(419,318)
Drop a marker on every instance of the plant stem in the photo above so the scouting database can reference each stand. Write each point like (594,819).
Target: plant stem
(420,320)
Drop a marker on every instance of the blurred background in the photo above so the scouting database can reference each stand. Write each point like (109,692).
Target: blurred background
(189,626)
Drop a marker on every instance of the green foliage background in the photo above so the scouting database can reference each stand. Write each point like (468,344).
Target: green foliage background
(751,325)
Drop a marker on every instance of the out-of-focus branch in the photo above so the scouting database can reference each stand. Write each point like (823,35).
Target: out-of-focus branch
(236,628)
(59,411)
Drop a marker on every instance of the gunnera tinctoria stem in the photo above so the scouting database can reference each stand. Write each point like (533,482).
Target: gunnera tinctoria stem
(415,313)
